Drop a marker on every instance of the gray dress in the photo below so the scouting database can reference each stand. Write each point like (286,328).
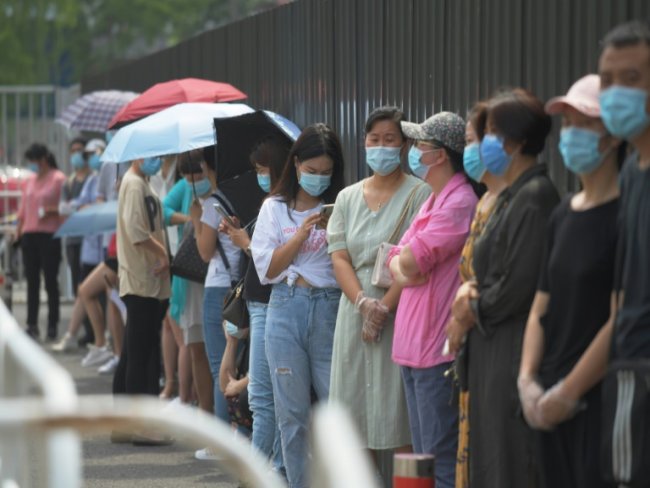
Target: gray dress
(364,378)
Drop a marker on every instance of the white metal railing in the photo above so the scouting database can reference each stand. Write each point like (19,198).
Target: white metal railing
(27,373)
(39,432)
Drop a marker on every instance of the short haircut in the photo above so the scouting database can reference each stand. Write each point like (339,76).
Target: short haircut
(518,116)
(628,34)
(392,114)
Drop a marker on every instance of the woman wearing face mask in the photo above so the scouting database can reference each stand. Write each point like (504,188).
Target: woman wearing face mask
(70,192)
(506,262)
(38,220)
(268,157)
(215,248)
(289,249)
(425,264)
(186,302)
(456,333)
(144,282)
(366,214)
(567,324)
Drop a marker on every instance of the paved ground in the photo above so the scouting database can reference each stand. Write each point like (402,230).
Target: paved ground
(124,465)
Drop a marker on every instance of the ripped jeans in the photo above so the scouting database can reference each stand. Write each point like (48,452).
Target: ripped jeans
(299,335)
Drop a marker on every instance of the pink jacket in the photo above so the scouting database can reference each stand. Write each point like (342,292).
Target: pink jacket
(436,238)
(43,192)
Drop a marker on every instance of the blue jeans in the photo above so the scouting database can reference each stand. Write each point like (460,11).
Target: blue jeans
(299,336)
(215,343)
(266,435)
(433,417)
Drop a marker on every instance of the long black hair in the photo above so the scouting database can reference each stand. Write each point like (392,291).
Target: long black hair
(271,152)
(37,152)
(314,141)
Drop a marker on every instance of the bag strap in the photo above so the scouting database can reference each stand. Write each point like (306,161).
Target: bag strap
(402,218)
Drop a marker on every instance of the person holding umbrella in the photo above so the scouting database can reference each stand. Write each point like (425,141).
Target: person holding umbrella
(268,157)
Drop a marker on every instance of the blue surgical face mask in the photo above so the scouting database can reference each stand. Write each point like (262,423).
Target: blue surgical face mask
(383,160)
(94,162)
(623,111)
(234,331)
(264,181)
(202,186)
(77,160)
(150,166)
(315,185)
(579,149)
(33,167)
(420,170)
(493,155)
(472,163)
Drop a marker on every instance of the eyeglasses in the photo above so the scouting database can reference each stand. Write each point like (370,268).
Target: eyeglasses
(426,146)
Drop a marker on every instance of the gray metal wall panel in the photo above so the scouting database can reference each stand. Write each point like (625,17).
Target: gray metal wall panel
(335,60)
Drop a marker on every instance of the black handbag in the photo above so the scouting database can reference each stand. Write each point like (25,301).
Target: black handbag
(188,263)
(235,310)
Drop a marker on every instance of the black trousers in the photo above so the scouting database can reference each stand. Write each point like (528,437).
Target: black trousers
(138,371)
(42,253)
(73,253)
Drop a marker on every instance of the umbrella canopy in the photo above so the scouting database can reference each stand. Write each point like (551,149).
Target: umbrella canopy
(163,95)
(93,111)
(177,129)
(94,219)
(236,137)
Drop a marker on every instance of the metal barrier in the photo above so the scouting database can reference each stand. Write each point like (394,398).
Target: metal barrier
(39,434)
(49,458)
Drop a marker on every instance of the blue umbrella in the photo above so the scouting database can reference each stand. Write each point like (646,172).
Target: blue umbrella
(94,219)
(176,129)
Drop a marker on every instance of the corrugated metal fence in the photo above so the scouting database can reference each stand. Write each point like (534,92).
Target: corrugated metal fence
(335,60)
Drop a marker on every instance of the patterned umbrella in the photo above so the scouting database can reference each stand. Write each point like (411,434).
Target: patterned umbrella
(93,111)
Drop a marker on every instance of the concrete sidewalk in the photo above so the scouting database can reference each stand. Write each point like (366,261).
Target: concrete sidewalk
(124,465)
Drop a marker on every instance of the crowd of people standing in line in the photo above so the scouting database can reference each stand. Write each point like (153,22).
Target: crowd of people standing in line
(481,334)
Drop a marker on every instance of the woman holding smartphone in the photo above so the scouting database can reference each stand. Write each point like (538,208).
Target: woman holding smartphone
(289,249)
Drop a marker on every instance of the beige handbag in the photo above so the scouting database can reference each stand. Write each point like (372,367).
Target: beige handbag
(381,275)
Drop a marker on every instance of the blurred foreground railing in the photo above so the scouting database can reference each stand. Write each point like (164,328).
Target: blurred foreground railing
(41,418)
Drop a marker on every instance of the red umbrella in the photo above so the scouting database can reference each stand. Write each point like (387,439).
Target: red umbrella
(163,95)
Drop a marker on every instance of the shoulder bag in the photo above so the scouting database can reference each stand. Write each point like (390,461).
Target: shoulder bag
(381,275)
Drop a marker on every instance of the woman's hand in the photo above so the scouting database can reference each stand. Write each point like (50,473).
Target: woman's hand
(530,392)
(556,405)
(233,388)
(195,211)
(238,236)
(456,333)
(304,231)
(461,309)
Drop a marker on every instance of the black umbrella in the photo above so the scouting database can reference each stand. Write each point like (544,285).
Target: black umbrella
(236,137)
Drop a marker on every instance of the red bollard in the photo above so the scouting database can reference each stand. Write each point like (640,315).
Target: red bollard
(413,471)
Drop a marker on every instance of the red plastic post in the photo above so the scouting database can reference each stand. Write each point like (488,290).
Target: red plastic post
(413,471)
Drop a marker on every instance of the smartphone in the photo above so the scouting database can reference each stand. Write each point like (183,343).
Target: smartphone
(326,210)
(224,214)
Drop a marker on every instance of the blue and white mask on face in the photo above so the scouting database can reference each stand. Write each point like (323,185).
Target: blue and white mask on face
(472,163)
(77,160)
(383,160)
(151,166)
(623,110)
(264,181)
(315,185)
(94,162)
(493,155)
(415,163)
(579,149)
(202,187)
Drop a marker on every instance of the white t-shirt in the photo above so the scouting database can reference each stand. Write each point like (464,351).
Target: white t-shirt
(275,226)
(218,275)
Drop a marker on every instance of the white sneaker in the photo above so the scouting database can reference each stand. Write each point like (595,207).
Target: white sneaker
(67,343)
(207,454)
(96,356)
(109,366)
